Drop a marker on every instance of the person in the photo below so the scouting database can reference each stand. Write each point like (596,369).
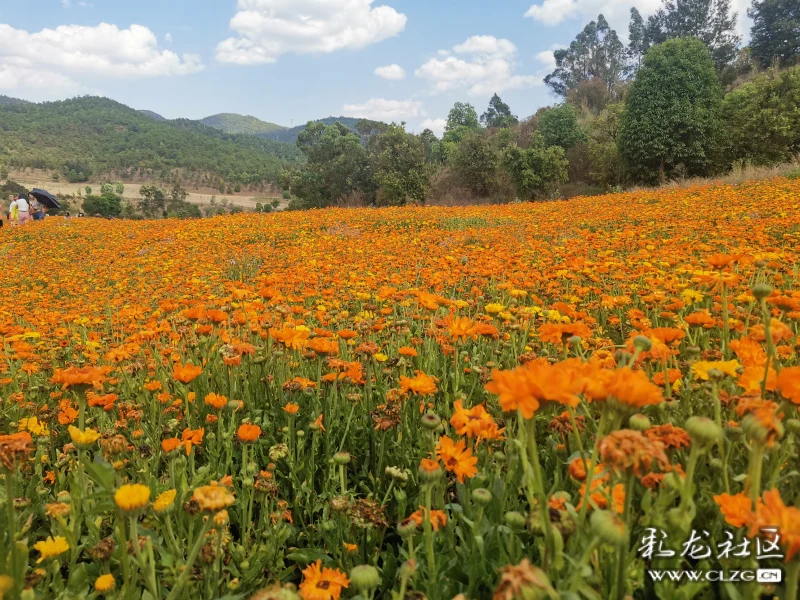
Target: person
(22,209)
(37,209)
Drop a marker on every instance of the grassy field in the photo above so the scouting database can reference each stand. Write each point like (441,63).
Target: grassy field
(535,400)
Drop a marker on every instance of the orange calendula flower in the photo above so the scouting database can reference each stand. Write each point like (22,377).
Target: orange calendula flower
(736,508)
(773,516)
(421,384)
(80,376)
(788,384)
(457,458)
(248,433)
(192,437)
(322,583)
(216,401)
(186,373)
(291,408)
(438,518)
(628,450)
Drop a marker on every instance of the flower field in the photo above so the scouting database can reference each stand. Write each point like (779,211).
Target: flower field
(530,401)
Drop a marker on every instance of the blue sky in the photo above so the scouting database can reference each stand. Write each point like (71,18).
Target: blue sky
(289,61)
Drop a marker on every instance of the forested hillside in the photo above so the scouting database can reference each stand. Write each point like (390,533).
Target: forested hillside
(89,136)
(290,135)
(233,123)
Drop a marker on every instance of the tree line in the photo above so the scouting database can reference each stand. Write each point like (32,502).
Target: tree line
(681,99)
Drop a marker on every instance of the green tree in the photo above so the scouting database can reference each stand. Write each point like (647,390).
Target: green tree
(639,40)
(107,205)
(462,115)
(398,165)
(336,165)
(152,201)
(761,119)
(106,188)
(535,171)
(3,172)
(498,114)
(475,162)
(671,112)
(776,31)
(119,189)
(596,52)
(429,143)
(559,126)
(711,21)
(88,190)
(603,133)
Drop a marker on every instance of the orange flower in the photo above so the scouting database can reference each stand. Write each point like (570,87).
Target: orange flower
(749,352)
(78,376)
(429,466)
(152,386)
(669,435)
(292,408)
(736,508)
(628,450)
(438,518)
(322,583)
(15,448)
(248,433)
(407,351)
(460,327)
(192,437)
(186,373)
(170,444)
(323,346)
(525,387)
(633,388)
(421,384)
(216,401)
(788,384)
(457,458)
(773,514)
(475,422)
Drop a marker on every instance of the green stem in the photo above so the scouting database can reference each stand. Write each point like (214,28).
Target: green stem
(754,475)
(187,568)
(792,583)
(16,576)
(590,471)
(428,525)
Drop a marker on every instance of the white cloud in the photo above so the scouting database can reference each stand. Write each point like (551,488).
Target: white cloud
(66,3)
(486,67)
(64,56)
(380,109)
(435,125)
(267,29)
(547,59)
(394,72)
(168,38)
(616,12)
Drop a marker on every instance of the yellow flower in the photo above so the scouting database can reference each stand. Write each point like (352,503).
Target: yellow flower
(494,308)
(164,501)
(553,316)
(6,583)
(701,368)
(221,518)
(132,497)
(213,497)
(34,426)
(380,357)
(83,439)
(51,547)
(691,296)
(104,583)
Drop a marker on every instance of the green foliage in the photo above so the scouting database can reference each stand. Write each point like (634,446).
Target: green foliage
(153,200)
(596,52)
(184,210)
(671,115)
(475,163)
(106,188)
(776,31)
(119,188)
(245,124)
(336,165)
(462,115)
(711,21)
(398,165)
(535,171)
(498,114)
(11,188)
(761,119)
(289,136)
(107,205)
(559,126)
(603,134)
(276,203)
(88,190)
(3,172)
(88,135)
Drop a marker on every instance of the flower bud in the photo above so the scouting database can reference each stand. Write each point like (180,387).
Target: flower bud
(397,474)
(575,340)
(515,520)
(642,343)
(793,426)
(703,430)
(431,421)
(407,528)
(341,458)
(482,496)
(639,422)
(365,578)
(609,527)
(762,290)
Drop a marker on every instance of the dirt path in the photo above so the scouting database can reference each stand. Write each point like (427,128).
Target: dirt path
(132,192)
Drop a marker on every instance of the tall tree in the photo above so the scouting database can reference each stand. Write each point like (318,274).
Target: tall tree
(596,52)
(639,40)
(498,114)
(559,126)
(711,21)
(776,31)
(398,164)
(462,115)
(671,112)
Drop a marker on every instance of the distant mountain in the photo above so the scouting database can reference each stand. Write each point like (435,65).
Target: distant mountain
(289,136)
(245,124)
(152,115)
(8,101)
(92,136)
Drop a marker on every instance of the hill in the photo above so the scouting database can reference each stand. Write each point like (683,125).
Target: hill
(152,115)
(7,100)
(245,124)
(289,136)
(91,136)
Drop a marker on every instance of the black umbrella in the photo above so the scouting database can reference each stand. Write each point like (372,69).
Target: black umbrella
(45,198)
